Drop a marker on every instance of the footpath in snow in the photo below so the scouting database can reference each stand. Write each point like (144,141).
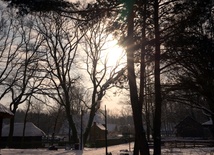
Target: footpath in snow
(101,151)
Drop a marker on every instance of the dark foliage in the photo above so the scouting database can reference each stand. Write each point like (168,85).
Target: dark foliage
(98,10)
(26,6)
(191,52)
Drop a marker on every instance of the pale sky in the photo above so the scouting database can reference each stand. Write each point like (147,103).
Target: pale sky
(112,102)
(82,1)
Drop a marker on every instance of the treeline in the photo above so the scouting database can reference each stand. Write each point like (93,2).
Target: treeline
(49,123)
(55,56)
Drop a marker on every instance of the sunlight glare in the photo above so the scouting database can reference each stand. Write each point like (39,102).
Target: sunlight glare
(114,55)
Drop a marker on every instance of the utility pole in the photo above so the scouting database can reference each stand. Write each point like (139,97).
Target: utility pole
(106,131)
(129,132)
(81,137)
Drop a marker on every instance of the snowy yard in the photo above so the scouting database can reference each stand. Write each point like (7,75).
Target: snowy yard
(101,151)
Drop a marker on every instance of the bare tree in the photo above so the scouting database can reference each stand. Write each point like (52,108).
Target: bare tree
(25,79)
(61,39)
(9,47)
(18,61)
(102,74)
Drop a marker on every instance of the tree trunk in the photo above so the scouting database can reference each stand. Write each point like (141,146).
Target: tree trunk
(158,100)
(140,140)
(211,105)
(10,136)
(24,125)
(90,121)
(1,124)
(71,123)
(92,112)
(212,127)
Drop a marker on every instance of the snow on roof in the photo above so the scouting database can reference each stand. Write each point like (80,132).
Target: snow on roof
(30,130)
(77,119)
(210,122)
(100,126)
(4,112)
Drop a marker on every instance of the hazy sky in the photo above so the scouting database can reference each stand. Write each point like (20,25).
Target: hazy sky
(82,1)
(111,100)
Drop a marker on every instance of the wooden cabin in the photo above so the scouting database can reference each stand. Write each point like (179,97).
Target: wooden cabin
(189,127)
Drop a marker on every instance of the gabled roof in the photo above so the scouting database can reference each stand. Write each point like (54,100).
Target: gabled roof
(187,120)
(77,119)
(4,112)
(30,130)
(102,127)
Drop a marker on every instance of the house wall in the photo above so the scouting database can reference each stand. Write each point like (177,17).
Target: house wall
(189,128)
(96,134)
(207,132)
(19,142)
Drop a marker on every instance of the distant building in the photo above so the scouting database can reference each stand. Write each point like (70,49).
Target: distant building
(208,129)
(4,113)
(65,131)
(113,130)
(32,137)
(97,132)
(98,125)
(189,127)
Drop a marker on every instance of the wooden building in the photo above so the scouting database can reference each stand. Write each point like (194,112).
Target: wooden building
(4,113)
(97,132)
(189,127)
(208,125)
(32,137)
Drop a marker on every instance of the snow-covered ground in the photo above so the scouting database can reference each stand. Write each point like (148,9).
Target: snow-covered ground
(101,151)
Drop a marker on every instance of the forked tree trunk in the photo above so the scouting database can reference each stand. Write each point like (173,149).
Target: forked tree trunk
(141,144)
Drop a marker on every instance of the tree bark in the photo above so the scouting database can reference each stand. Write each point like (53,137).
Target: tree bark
(140,140)
(158,100)
(24,124)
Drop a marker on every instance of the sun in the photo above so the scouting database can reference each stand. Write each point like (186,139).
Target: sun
(114,55)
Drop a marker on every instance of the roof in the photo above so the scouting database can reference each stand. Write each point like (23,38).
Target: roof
(187,120)
(210,122)
(77,119)
(100,126)
(4,112)
(30,130)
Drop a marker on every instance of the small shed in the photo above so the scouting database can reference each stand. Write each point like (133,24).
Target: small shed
(189,127)
(207,126)
(4,113)
(32,137)
(97,132)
